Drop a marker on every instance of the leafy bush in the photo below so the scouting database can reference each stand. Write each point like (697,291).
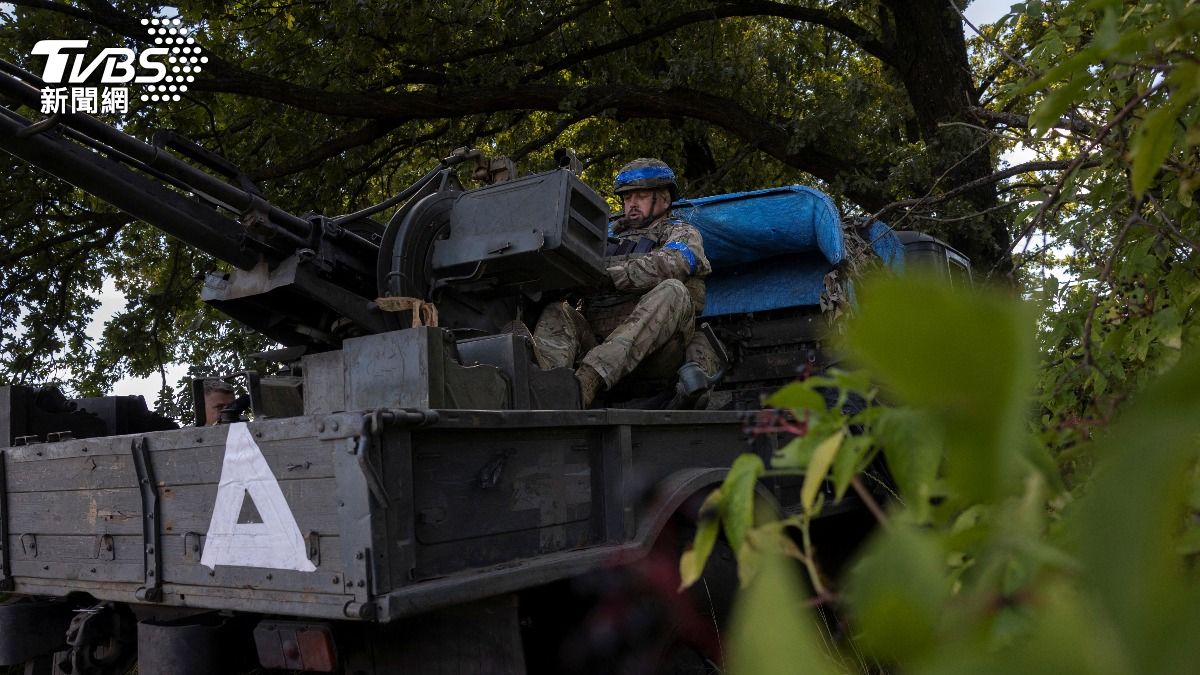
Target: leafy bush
(985,560)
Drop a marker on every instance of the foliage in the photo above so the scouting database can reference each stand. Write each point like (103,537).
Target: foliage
(1043,454)
(985,562)
(1112,88)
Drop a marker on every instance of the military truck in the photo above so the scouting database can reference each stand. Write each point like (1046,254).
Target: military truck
(402,490)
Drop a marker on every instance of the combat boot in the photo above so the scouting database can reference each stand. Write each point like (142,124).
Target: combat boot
(590,382)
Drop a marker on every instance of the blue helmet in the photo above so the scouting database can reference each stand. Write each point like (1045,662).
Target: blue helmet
(646,173)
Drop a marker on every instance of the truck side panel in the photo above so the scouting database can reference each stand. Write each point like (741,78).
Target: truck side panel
(395,518)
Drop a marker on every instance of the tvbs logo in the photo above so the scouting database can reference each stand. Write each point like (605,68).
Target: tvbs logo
(165,69)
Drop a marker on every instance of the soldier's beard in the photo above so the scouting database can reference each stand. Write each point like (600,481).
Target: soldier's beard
(630,221)
(650,217)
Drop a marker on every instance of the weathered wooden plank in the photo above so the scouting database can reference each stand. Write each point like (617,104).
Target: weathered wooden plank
(300,458)
(264,432)
(326,579)
(292,603)
(658,450)
(183,508)
(50,547)
(74,557)
(289,460)
(70,570)
(478,484)
(93,472)
(437,560)
(106,511)
(187,437)
(188,508)
(83,447)
(316,605)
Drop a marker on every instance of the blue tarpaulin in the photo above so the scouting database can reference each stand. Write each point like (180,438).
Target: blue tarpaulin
(742,227)
(789,280)
(771,249)
(887,246)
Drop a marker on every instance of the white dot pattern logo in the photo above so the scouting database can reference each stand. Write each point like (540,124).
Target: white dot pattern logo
(186,60)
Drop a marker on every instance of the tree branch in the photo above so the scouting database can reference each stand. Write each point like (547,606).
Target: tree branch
(1016,120)
(524,41)
(643,102)
(632,101)
(62,8)
(550,136)
(363,135)
(102,221)
(841,24)
(1050,203)
(1057,165)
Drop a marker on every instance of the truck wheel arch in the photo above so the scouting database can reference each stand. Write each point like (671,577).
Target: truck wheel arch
(680,494)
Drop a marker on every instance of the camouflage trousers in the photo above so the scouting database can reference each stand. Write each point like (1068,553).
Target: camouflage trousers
(660,327)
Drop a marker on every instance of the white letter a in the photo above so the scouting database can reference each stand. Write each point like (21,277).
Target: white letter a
(276,542)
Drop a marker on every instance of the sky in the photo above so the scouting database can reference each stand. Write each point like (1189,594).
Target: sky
(980,12)
(983,12)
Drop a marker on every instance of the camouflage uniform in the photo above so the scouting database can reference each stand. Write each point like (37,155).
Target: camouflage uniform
(653,306)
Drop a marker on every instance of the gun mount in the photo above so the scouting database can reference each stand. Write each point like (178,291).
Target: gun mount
(312,280)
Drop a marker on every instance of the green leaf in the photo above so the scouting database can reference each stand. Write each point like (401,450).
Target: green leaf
(796,453)
(797,396)
(849,462)
(964,357)
(1127,527)
(1189,543)
(912,445)
(1056,103)
(1153,142)
(693,560)
(1065,67)
(772,633)
(737,499)
(822,459)
(898,592)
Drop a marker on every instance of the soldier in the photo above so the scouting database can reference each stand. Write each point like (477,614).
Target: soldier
(650,307)
(218,395)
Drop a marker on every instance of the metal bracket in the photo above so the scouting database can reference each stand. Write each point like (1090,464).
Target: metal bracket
(351,425)
(152,551)
(6,580)
(256,221)
(29,545)
(191,546)
(372,429)
(492,170)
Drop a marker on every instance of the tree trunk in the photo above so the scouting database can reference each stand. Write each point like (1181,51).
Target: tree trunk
(932,63)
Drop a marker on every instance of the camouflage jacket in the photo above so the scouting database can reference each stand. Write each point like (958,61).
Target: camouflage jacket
(677,253)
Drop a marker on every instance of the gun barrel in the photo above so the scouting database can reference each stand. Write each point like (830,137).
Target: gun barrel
(137,195)
(97,134)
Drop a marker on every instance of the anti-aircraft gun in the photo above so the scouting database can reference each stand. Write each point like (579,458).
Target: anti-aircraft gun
(430,497)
